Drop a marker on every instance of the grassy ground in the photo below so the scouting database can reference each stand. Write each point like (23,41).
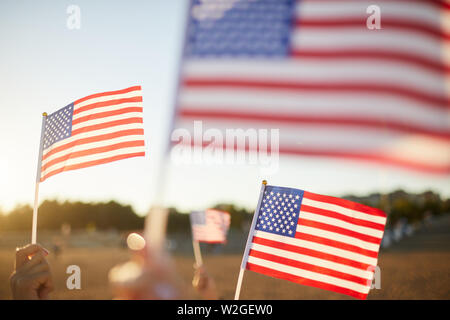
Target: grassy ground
(404,275)
(416,268)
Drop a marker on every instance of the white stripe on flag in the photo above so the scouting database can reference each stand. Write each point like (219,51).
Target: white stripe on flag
(106,119)
(131,94)
(367,71)
(313,261)
(309,275)
(419,11)
(339,39)
(106,109)
(317,247)
(345,211)
(95,133)
(338,237)
(87,146)
(93,157)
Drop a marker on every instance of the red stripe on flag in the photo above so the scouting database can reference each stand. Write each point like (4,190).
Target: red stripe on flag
(437,3)
(335,215)
(93,163)
(372,54)
(106,125)
(360,23)
(336,244)
(369,157)
(107,114)
(440,102)
(344,203)
(308,267)
(310,252)
(383,124)
(105,104)
(122,133)
(363,155)
(304,281)
(339,230)
(87,152)
(108,93)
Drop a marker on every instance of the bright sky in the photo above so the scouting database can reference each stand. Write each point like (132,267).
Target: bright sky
(44,66)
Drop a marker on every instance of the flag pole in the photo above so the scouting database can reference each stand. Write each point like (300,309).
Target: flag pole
(196,247)
(197,253)
(38,178)
(157,216)
(249,241)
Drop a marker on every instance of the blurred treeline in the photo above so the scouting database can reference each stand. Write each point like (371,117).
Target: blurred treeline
(407,206)
(113,215)
(99,216)
(79,215)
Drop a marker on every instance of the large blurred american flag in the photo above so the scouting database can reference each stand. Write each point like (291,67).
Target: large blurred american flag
(313,69)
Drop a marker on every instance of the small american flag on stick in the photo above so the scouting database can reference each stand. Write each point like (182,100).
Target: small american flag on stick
(96,129)
(210,225)
(315,240)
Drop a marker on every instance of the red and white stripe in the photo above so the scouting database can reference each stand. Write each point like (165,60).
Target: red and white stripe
(335,247)
(389,86)
(105,127)
(215,229)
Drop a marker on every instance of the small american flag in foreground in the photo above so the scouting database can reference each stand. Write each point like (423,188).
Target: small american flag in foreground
(210,226)
(316,240)
(97,129)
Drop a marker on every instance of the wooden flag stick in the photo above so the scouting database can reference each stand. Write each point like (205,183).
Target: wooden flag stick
(249,241)
(197,253)
(38,178)
(35,212)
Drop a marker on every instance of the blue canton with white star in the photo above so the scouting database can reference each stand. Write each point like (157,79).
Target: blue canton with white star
(244,28)
(198,217)
(58,125)
(279,210)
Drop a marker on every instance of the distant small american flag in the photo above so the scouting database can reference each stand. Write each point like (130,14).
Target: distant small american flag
(316,240)
(97,129)
(210,226)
